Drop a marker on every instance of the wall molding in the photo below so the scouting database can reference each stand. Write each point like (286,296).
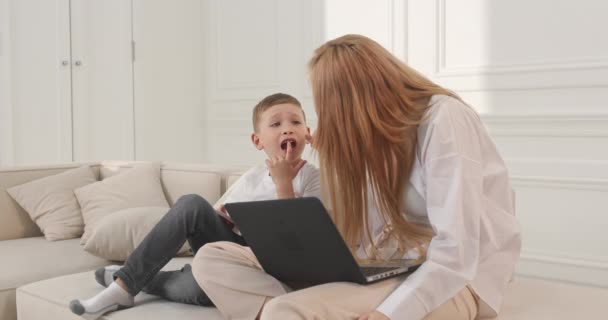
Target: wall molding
(548,125)
(399,27)
(582,270)
(557,258)
(585,184)
(552,65)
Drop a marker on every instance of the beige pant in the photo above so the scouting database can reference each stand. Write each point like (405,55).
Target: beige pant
(234,280)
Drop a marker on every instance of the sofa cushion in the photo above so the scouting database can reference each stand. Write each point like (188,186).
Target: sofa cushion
(16,223)
(178,179)
(137,187)
(51,203)
(32,259)
(118,234)
(526,298)
(29,260)
(49,299)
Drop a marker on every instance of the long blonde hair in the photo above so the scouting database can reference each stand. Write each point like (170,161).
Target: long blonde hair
(369,105)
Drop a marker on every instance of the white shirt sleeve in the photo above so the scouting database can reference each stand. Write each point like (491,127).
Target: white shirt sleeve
(311,182)
(451,160)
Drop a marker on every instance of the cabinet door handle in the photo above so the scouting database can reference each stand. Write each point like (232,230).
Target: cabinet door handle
(65,62)
(78,63)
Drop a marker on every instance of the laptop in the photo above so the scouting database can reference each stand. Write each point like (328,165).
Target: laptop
(295,240)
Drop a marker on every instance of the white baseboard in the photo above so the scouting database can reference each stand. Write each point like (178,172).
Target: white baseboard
(582,270)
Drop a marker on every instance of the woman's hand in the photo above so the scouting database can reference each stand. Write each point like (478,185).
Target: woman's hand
(374,315)
(310,139)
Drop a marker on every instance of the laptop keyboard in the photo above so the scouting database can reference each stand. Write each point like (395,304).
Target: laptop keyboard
(371,271)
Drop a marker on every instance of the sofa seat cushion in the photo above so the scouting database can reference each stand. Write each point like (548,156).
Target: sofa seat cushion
(49,299)
(526,299)
(29,260)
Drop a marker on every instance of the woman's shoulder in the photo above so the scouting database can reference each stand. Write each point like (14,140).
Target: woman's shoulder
(444,108)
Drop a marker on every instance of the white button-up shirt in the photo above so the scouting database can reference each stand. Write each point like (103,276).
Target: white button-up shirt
(459,186)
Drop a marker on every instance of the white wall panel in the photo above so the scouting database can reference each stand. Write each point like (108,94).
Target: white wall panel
(264,53)
(6,115)
(170,120)
(538,73)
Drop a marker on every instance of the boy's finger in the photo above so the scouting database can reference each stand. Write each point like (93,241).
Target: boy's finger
(268,163)
(289,153)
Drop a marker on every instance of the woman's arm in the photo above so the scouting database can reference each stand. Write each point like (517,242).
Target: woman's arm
(452,162)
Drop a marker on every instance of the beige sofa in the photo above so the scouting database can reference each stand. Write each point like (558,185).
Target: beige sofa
(38,278)
(28,260)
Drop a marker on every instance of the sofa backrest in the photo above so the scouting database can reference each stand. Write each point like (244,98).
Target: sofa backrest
(178,179)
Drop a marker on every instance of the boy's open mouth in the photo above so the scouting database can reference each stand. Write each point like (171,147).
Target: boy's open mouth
(286,141)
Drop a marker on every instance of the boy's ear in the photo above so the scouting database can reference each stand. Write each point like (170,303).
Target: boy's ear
(308,133)
(256,141)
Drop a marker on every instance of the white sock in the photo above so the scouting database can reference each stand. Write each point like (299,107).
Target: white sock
(110,299)
(105,275)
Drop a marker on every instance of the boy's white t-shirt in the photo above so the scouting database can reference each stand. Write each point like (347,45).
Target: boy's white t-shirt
(256,184)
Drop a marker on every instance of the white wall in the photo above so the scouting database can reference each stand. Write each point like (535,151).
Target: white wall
(170,119)
(6,135)
(382,21)
(537,71)
(255,48)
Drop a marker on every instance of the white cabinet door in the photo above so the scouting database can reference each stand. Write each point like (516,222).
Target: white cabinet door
(102,79)
(41,110)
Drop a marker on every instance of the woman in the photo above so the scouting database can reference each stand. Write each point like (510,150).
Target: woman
(409,170)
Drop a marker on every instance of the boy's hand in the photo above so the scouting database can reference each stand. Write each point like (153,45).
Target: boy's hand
(283,170)
(221,211)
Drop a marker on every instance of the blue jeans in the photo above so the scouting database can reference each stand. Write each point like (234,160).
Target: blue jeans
(193,219)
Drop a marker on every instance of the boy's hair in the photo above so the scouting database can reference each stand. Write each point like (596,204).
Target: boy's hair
(273,100)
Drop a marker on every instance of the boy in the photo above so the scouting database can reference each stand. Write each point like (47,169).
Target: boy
(280,130)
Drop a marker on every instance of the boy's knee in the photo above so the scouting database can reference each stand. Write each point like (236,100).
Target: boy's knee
(192,202)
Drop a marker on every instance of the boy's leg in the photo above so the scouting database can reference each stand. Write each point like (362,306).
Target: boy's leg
(192,218)
(178,286)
